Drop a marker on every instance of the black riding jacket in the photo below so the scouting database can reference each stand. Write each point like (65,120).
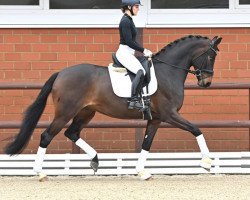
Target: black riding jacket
(128,33)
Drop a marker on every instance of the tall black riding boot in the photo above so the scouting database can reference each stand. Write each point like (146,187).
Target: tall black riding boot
(135,102)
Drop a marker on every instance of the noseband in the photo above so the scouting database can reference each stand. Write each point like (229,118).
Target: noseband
(197,72)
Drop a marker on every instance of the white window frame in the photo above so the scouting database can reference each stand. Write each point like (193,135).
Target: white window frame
(29,16)
(237,5)
(235,16)
(22,7)
(42,16)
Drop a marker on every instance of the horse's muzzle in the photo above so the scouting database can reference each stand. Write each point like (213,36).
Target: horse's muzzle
(205,82)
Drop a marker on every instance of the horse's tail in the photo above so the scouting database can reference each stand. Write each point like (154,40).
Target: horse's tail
(31,118)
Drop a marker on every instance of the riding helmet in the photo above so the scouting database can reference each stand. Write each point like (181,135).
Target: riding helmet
(130,2)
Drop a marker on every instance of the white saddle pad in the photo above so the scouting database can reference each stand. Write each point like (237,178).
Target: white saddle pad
(122,84)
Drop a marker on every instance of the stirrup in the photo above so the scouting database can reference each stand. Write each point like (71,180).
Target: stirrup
(135,104)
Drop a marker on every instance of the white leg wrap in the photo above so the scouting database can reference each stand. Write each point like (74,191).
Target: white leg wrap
(141,161)
(39,159)
(85,147)
(203,146)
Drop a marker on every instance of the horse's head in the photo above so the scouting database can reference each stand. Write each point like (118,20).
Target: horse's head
(203,61)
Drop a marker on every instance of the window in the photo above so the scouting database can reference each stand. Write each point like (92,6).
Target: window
(84,4)
(244,2)
(189,4)
(198,13)
(60,13)
(19,2)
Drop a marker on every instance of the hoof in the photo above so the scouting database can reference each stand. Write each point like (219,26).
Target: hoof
(206,163)
(43,177)
(94,163)
(144,175)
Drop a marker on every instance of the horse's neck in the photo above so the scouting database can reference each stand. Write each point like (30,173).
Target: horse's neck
(176,63)
(178,56)
(172,74)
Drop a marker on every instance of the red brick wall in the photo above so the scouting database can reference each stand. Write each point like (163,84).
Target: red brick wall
(32,55)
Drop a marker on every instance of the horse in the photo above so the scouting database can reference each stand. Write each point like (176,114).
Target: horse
(79,91)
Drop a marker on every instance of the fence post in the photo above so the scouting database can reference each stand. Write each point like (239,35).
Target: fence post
(249,117)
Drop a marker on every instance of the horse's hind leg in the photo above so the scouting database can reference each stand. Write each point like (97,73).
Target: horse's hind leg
(73,133)
(55,127)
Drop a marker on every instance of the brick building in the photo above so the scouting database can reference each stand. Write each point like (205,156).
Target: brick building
(39,38)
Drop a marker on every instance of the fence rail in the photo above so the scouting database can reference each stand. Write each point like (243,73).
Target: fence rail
(137,124)
(32,86)
(124,163)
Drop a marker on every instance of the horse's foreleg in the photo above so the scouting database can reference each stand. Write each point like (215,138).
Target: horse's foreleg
(178,121)
(73,133)
(151,129)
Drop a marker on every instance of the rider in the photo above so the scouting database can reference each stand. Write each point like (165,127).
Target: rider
(127,47)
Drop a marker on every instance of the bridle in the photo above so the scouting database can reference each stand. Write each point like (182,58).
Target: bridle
(197,72)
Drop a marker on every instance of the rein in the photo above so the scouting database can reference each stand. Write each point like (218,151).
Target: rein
(175,66)
(196,72)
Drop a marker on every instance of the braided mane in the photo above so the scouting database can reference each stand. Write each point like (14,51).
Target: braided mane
(172,44)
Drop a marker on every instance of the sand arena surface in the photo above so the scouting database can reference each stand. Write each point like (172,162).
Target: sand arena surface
(193,187)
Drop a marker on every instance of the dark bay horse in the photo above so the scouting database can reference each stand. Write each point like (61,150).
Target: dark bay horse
(80,91)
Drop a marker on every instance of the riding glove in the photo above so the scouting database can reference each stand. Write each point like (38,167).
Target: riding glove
(147,53)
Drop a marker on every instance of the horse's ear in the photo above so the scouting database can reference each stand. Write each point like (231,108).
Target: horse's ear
(215,38)
(215,42)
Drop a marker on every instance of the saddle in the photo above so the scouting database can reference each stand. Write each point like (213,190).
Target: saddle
(146,65)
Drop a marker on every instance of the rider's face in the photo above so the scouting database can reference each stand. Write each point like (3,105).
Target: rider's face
(136,8)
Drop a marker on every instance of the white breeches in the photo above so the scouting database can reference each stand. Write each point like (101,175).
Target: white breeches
(126,57)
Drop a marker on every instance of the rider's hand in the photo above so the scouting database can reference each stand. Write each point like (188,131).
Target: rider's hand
(147,53)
